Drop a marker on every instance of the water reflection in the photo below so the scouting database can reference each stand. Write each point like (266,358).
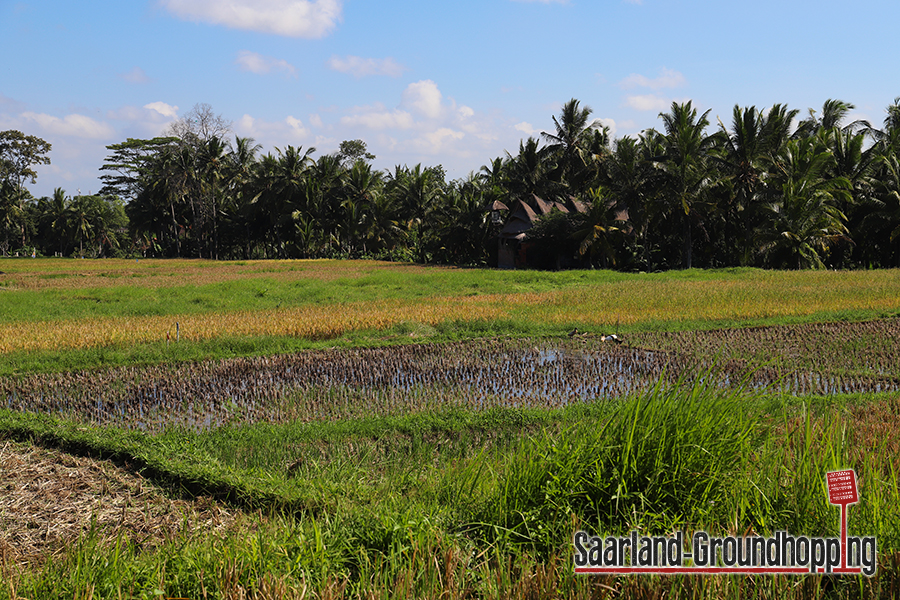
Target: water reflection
(337,383)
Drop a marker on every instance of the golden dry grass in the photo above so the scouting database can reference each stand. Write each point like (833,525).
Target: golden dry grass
(311,322)
(759,297)
(876,431)
(589,301)
(68,274)
(51,498)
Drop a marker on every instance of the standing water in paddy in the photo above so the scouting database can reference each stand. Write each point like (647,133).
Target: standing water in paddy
(328,384)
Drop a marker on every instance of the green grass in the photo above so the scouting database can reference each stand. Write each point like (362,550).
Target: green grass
(480,501)
(262,290)
(464,503)
(523,303)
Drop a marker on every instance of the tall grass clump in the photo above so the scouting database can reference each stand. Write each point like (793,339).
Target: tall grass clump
(783,486)
(662,459)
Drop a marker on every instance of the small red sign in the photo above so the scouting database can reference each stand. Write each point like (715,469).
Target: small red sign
(842,487)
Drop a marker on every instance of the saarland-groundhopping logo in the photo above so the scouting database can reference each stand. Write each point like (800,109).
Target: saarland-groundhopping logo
(783,554)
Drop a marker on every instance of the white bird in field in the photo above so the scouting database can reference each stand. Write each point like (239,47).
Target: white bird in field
(611,338)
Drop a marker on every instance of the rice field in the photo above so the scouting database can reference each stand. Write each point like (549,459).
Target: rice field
(59,305)
(307,322)
(504,372)
(429,432)
(68,274)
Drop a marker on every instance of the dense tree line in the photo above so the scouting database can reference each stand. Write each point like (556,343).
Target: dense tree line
(770,189)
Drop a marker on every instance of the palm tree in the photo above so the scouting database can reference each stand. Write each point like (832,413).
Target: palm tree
(282,189)
(832,115)
(689,172)
(570,144)
(362,187)
(629,184)
(161,198)
(240,177)
(492,176)
(418,192)
(177,180)
(84,217)
(213,169)
(887,140)
(490,186)
(804,220)
(528,173)
(325,197)
(53,222)
(12,212)
(596,231)
(310,237)
(385,231)
(463,224)
(746,151)
(881,223)
(109,221)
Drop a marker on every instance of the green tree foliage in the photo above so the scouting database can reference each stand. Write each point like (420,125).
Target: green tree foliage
(352,151)
(743,156)
(804,217)
(575,145)
(599,230)
(689,171)
(19,154)
(552,241)
(759,191)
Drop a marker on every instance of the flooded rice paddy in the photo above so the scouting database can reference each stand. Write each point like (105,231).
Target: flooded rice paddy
(339,383)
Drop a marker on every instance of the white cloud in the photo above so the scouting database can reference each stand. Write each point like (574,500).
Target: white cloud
(325,144)
(296,126)
(166,110)
(648,102)
(424,124)
(293,18)
(362,67)
(315,120)
(435,141)
(71,125)
(278,133)
(375,119)
(245,125)
(149,120)
(423,97)
(482,130)
(257,63)
(607,123)
(667,79)
(135,75)
(526,128)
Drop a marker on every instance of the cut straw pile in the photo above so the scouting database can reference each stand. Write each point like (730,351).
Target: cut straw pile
(48,500)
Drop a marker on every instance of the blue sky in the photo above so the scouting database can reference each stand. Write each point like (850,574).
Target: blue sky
(453,83)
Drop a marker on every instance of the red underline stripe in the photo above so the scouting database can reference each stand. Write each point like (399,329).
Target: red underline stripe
(710,570)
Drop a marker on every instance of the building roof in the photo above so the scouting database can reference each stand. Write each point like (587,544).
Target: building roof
(520,220)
